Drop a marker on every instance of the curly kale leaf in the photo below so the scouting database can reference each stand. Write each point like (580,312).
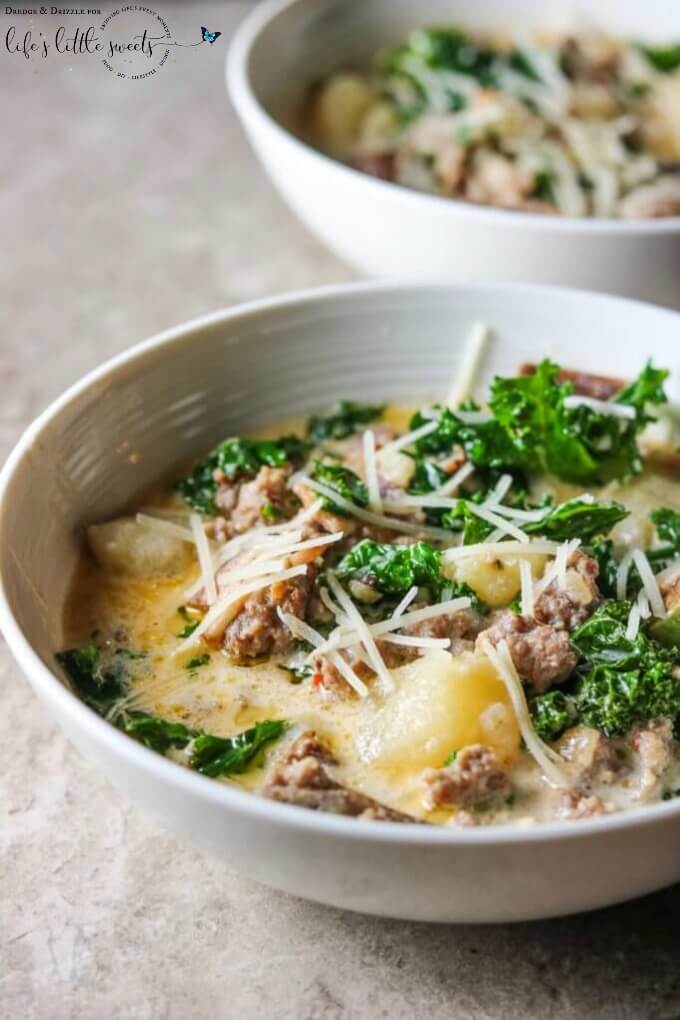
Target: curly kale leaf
(343,481)
(531,430)
(624,681)
(663,58)
(603,551)
(393,569)
(344,419)
(103,688)
(100,681)
(667,524)
(221,756)
(552,713)
(577,518)
(237,458)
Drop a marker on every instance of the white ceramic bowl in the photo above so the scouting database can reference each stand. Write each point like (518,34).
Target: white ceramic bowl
(385,229)
(130,422)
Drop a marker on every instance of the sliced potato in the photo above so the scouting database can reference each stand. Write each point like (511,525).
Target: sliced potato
(130,548)
(440,704)
(495,581)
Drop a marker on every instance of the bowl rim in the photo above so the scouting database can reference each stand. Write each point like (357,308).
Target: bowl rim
(57,696)
(251,110)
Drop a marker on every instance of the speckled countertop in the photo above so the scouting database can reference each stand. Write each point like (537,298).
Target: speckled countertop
(126,207)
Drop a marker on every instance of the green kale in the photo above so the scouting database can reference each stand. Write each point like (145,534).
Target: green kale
(603,552)
(667,630)
(663,58)
(237,458)
(344,419)
(270,513)
(341,480)
(623,681)
(533,431)
(393,569)
(667,524)
(102,688)
(552,713)
(221,756)
(544,187)
(198,661)
(158,734)
(100,684)
(298,673)
(577,518)
(190,624)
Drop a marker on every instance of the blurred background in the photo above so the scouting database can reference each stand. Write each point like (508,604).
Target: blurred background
(126,207)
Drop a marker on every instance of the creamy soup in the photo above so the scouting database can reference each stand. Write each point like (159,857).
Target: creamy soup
(451,615)
(571,125)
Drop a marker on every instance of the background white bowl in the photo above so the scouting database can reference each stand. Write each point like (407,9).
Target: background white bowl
(132,421)
(388,230)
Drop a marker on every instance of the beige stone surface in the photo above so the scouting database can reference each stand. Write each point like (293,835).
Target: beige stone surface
(126,207)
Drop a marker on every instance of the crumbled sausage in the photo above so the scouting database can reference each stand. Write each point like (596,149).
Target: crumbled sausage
(653,743)
(602,387)
(541,655)
(594,758)
(475,778)
(670,589)
(269,487)
(651,201)
(302,778)
(257,630)
(377,164)
(459,628)
(567,608)
(575,805)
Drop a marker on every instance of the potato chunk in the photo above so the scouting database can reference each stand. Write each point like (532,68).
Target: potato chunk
(127,547)
(339,111)
(495,581)
(440,704)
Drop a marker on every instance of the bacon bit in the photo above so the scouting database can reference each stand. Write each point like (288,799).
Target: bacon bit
(317,680)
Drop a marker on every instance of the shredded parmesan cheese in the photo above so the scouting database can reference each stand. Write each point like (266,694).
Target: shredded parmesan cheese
(409,437)
(438,534)
(633,625)
(167,527)
(649,583)
(456,480)
(491,518)
(544,756)
(473,354)
(301,629)
(355,617)
(603,406)
(527,588)
(500,549)
(405,602)
(204,558)
(371,471)
(622,572)
(500,490)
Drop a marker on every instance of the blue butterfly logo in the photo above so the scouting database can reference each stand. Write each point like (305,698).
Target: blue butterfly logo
(209,36)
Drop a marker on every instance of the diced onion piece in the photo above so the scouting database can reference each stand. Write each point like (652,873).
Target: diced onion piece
(354,617)
(649,583)
(439,534)
(204,558)
(602,406)
(466,375)
(371,471)
(547,760)
(527,588)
